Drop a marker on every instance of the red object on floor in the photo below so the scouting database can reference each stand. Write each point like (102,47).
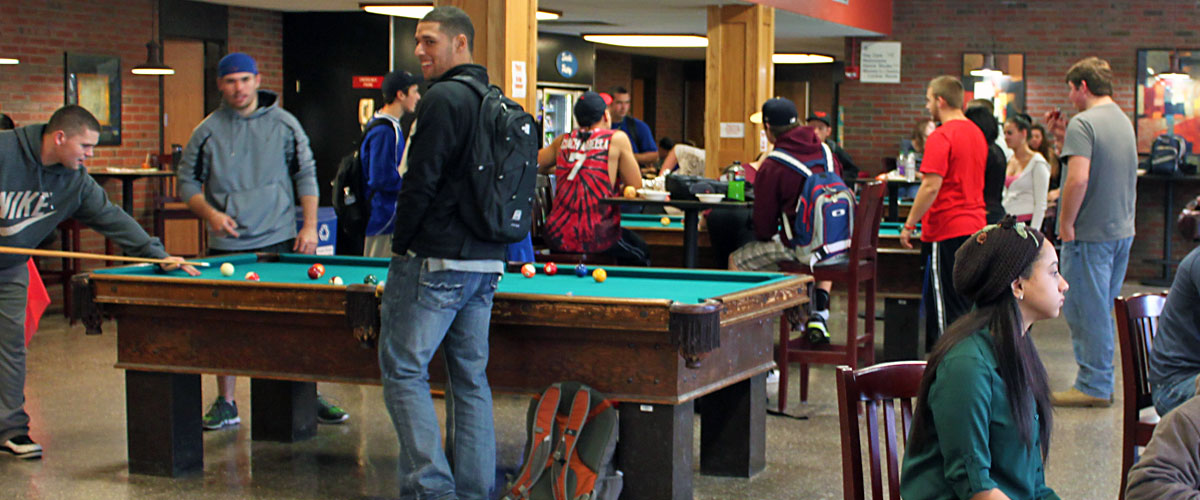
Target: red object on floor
(36,301)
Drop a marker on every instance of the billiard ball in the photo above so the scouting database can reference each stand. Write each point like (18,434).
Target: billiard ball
(528,270)
(226,269)
(251,276)
(550,268)
(336,280)
(581,270)
(666,221)
(599,275)
(630,192)
(370,280)
(316,271)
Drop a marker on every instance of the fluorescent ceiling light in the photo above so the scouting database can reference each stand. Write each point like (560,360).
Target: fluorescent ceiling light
(800,58)
(649,40)
(417,11)
(9,60)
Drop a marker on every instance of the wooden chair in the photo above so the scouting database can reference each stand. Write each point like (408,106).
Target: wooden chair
(859,269)
(877,388)
(1137,323)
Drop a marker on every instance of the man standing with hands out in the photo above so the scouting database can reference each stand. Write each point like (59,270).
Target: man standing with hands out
(949,204)
(1095,217)
(238,173)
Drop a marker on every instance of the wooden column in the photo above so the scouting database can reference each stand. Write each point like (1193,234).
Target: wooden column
(739,77)
(505,31)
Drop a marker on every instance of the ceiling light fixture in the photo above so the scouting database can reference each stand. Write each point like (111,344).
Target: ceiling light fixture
(800,58)
(418,10)
(989,67)
(649,40)
(9,60)
(154,62)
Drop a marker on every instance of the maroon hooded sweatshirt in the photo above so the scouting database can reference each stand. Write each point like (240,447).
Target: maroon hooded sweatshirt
(777,187)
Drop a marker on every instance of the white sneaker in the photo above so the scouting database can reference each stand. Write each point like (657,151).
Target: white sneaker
(22,447)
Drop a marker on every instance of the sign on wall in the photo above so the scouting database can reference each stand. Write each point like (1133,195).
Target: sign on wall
(879,62)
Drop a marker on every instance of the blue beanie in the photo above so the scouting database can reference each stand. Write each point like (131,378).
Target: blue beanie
(236,62)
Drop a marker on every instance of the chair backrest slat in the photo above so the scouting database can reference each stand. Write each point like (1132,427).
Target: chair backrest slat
(876,388)
(1137,323)
(864,238)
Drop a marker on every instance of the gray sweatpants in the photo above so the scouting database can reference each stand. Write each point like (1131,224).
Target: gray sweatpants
(14,283)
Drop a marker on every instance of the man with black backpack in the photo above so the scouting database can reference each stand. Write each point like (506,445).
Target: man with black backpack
(381,150)
(468,158)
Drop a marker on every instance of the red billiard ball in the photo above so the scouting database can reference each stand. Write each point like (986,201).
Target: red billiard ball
(316,271)
(528,270)
(251,276)
(550,268)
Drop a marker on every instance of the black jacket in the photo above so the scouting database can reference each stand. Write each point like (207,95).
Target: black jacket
(428,220)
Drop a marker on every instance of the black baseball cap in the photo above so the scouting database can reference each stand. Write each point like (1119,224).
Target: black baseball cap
(776,112)
(819,118)
(398,81)
(590,108)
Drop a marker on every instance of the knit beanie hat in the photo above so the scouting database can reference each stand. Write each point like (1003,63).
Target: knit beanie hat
(991,259)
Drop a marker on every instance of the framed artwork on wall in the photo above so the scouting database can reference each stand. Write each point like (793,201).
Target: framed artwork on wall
(94,82)
(1168,98)
(998,77)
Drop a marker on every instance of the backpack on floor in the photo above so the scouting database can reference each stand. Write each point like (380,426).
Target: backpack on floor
(572,436)
(824,213)
(1168,154)
(351,199)
(502,162)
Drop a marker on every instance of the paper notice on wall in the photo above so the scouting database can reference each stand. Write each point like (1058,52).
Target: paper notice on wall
(879,62)
(519,82)
(733,130)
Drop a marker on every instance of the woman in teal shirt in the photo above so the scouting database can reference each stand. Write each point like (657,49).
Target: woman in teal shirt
(981,428)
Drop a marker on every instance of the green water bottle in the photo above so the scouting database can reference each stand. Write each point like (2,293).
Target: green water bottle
(737,189)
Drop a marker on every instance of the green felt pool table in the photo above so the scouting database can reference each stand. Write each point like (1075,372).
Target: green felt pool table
(655,340)
(666,241)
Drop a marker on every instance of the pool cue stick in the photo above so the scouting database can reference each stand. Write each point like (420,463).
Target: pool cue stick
(34,252)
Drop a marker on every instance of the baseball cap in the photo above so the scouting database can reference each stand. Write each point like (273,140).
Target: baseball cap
(397,81)
(776,112)
(818,117)
(590,108)
(236,62)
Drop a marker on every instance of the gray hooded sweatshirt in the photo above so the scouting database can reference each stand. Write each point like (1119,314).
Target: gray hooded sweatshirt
(246,167)
(35,198)
(1170,466)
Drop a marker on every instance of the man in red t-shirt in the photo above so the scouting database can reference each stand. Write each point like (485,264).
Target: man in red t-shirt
(949,203)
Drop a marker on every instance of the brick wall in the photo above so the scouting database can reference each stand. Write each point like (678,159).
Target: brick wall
(1052,35)
(38,33)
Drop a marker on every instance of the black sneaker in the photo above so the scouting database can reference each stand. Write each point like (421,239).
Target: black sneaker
(816,331)
(22,447)
(220,414)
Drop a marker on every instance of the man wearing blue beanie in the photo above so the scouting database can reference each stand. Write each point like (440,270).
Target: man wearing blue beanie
(241,171)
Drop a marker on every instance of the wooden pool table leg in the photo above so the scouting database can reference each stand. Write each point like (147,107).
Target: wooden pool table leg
(163,423)
(282,410)
(733,437)
(654,451)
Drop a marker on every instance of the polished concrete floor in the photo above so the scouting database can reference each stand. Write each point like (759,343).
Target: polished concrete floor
(76,399)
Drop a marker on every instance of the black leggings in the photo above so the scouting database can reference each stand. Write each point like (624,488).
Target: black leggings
(728,230)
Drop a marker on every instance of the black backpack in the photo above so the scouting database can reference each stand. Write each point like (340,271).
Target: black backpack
(502,168)
(351,201)
(1168,155)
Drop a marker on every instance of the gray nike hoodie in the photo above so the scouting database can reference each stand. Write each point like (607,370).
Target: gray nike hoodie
(35,198)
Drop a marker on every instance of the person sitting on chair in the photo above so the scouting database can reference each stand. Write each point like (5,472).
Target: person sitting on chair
(587,162)
(982,421)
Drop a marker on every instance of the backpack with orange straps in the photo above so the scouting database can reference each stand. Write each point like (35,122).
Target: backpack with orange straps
(572,436)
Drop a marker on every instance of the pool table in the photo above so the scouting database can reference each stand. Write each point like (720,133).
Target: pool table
(666,241)
(655,340)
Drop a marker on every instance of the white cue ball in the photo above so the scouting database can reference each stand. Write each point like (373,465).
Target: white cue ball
(226,269)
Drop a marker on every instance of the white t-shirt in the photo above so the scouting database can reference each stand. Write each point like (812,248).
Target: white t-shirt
(1027,193)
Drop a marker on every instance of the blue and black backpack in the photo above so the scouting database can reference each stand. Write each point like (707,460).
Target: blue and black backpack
(824,212)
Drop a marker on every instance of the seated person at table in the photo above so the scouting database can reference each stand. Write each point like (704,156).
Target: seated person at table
(683,159)
(42,174)
(1170,465)
(1175,359)
(820,125)
(587,162)
(982,420)
(777,189)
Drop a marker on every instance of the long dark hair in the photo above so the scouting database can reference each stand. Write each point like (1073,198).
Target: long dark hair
(1025,381)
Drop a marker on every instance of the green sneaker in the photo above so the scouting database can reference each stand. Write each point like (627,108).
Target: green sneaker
(817,332)
(220,414)
(328,413)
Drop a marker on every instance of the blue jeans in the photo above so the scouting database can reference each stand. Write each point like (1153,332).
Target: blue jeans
(1168,396)
(422,310)
(1095,271)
